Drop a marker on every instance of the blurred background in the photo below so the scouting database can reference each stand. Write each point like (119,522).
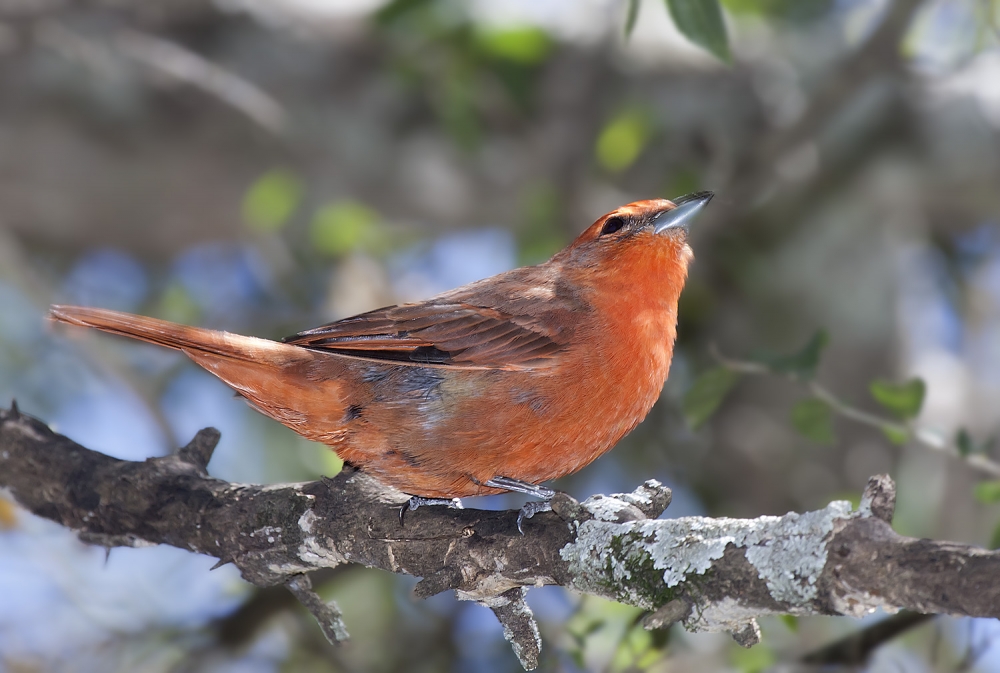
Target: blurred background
(263,167)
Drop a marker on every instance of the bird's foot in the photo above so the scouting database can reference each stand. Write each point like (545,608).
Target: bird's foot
(417,501)
(529,509)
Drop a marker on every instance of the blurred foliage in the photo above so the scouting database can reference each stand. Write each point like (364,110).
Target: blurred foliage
(754,659)
(791,622)
(632,14)
(813,418)
(707,393)
(538,234)
(608,636)
(272,200)
(456,67)
(523,46)
(902,399)
(622,139)
(346,226)
(802,364)
(786,10)
(963,440)
(701,22)
(896,435)
(176,305)
(967,444)
(987,492)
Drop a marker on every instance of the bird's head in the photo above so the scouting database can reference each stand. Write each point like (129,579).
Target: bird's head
(637,242)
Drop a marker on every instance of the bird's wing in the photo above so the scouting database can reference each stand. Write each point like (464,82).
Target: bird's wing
(487,325)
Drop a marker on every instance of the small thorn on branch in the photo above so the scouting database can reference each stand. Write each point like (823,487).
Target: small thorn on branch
(15,413)
(199,450)
(221,562)
(519,626)
(330,619)
(667,614)
(879,497)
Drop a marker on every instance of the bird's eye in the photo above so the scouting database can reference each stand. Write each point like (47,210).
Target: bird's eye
(611,225)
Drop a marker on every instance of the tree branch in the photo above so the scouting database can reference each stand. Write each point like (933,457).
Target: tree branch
(710,574)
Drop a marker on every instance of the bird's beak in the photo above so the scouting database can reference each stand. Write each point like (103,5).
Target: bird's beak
(685,210)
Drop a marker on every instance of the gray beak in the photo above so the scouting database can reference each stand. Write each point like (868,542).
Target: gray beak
(681,217)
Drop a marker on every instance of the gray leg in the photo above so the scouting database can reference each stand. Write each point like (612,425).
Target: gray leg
(521,487)
(529,509)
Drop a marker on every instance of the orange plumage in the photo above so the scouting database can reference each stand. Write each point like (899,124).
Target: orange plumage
(529,375)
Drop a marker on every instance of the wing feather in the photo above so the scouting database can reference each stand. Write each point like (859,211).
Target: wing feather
(485,325)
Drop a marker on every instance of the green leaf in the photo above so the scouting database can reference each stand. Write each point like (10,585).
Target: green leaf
(791,622)
(963,442)
(895,434)
(995,538)
(813,419)
(524,46)
(622,140)
(804,363)
(707,393)
(987,492)
(902,399)
(631,16)
(345,226)
(701,22)
(271,200)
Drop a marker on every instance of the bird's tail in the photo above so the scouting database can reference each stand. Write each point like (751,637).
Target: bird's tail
(191,340)
(271,375)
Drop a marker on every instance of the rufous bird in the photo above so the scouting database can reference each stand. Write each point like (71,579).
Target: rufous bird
(498,385)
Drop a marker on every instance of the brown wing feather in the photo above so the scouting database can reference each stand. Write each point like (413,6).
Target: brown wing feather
(477,326)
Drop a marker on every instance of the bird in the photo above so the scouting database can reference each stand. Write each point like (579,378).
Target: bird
(499,385)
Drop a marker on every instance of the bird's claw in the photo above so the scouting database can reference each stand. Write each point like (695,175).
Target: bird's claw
(416,501)
(530,509)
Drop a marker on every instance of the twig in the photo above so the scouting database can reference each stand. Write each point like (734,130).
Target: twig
(856,648)
(327,614)
(923,436)
(170,58)
(167,58)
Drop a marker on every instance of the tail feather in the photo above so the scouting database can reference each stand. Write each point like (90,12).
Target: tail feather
(277,379)
(191,340)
